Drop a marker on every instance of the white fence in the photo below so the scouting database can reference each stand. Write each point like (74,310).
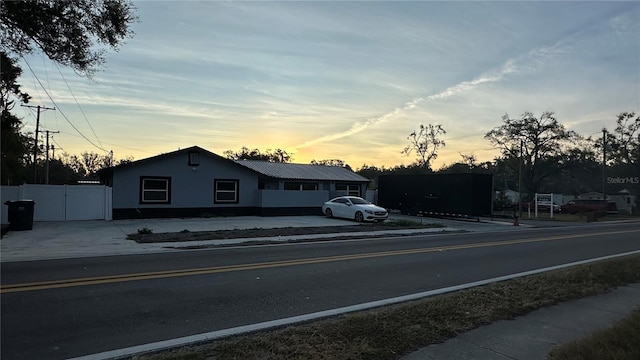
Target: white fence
(61,202)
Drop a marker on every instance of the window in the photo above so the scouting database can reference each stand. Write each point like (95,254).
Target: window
(155,190)
(226,191)
(348,189)
(298,186)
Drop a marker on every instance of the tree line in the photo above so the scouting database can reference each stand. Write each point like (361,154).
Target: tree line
(537,154)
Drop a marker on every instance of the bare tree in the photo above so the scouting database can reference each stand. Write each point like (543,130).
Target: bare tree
(425,142)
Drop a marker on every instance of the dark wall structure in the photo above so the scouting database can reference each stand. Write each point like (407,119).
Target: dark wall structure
(455,195)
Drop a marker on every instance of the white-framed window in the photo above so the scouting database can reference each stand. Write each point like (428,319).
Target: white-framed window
(348,189)
(226,191)
(300,186)
(155,190)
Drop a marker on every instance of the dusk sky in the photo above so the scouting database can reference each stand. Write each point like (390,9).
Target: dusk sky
(343,80)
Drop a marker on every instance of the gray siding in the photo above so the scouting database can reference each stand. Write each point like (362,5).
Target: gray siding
(190,186)
(283,198)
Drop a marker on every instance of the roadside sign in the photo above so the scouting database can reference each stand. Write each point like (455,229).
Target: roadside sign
(544,200)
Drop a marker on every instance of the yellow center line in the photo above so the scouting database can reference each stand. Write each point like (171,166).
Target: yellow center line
(56,284)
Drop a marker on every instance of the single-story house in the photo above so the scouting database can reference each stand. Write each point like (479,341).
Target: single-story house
(197,182)
(592,195)
(626,203)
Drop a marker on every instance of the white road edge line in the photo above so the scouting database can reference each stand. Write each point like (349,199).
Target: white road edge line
(215,335)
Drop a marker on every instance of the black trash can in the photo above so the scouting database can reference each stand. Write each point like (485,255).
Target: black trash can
(20,214)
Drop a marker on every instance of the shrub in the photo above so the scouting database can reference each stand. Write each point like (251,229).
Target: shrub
(145,230)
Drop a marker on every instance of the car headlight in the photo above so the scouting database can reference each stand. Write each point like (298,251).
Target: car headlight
(369,211)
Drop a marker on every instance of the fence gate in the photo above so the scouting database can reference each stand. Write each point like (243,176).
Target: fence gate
(62,202)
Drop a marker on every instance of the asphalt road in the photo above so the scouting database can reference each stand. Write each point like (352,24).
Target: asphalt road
(65,308)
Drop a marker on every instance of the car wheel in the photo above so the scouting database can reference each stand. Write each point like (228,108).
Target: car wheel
(359,217)
(329,213)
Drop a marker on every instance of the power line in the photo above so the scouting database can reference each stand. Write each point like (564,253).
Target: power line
(46,73)
(77,103)
(112,144)
(59,147)
(62,113)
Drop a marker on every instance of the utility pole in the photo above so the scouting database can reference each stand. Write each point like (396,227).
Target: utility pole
(47,157)
(520,181)
(35,146)
(604,163)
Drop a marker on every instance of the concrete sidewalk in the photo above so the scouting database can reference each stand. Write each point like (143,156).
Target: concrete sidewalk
(533,336)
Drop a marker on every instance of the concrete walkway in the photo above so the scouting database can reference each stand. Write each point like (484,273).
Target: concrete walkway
(533,336)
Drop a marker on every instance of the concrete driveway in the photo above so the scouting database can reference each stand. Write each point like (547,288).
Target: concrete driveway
(70,239)
(50,240)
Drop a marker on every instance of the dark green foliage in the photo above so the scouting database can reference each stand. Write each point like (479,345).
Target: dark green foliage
(537,143)
(277,155)
(70,32)
(16,146)
(145,230)
(331,162)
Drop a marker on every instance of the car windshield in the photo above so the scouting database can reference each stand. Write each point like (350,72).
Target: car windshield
(358,201)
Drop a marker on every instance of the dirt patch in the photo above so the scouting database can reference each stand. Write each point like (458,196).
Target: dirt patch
(257,233)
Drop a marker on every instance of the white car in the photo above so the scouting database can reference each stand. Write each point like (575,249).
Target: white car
(353,207)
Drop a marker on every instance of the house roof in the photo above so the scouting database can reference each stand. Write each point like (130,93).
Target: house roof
(290,171)
(286,171)
(170,154)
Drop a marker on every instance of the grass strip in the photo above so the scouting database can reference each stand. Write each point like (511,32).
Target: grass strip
(390,332)
(619,342)
(148,236)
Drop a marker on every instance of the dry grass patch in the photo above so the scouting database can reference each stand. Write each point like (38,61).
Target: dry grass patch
(620,342)
(390,332)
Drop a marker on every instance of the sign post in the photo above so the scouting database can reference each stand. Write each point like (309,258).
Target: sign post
(544,199)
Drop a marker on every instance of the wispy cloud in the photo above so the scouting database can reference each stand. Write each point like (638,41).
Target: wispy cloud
(510,67)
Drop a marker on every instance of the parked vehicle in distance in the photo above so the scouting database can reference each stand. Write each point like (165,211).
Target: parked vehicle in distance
(353,207)
(588,205)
